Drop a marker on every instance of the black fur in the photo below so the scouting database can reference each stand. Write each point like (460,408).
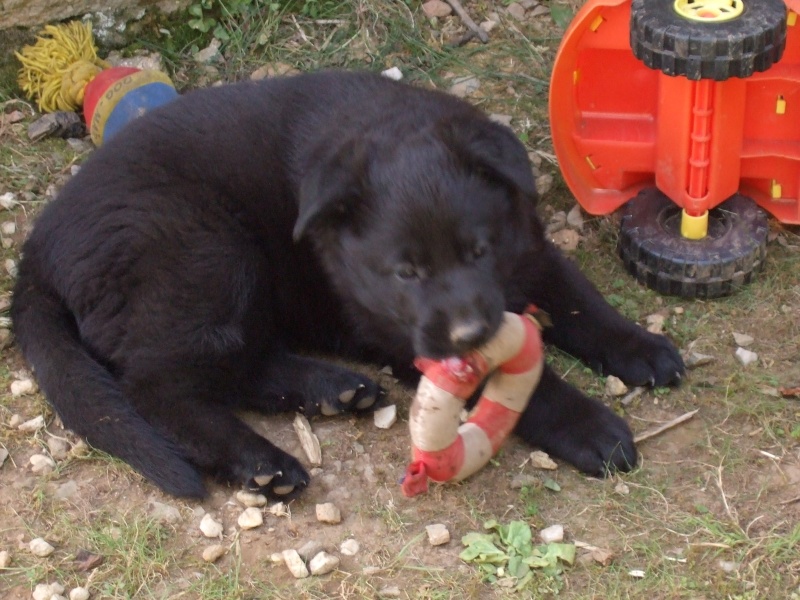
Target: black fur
(194,258)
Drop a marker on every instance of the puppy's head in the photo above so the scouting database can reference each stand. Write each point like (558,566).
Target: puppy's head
(420,233)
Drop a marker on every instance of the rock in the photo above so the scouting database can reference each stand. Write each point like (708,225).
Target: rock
(436,8)
(5,559)
(728,566)
(23,387)
(32,425)
(165,514)
(501,119)
(296,565)
(349,547)
(575,217)
(79,449)
(554,533)
(544,183)
(323,563)
(615,387)
(58,447)
(557,222)
(637,573)
(437,534)
(8,200)
(464,86)
(39,547)
(45,591)
(695,359)
(279,509)
(522,480)
(41,463)
(655,323)
(63,124)
(516,10)
(210,53)
(309,549)
(385,417)
(210,527)
(15,421)
(389,591)
(622,488)
(746,357)
(79,593)
(251,517)
(3,456)
(488,25)
(539,11)
(308,440)
(251,498)
(394,74)
(8,228)
(328,513)
(742,339)
(566,239)
(213,552)
(542,460)
(276,557)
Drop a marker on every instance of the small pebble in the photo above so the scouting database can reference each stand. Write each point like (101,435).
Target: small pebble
(15,421)
(385,417)
(163,513)
(296,565)
(323,563)
(11,266)
(58,447)
(728,566)
(45,591)
(390,591)
(23,387)
(575,217)
(251,498)
(488,25)
(213,553)
(3,456)
(395,74)
(615,387)
(309,549)
(328,513)
(637,573)
(279,509)
(41,548)
(276,557)
(251,517)
(695,359)
(516,10)
(349,547)
(655,323)
(554,533)
(210,527)
(8,228)
(5,559)
(79,593)
(622,488)
(742,339)
(41,463)
(32,425)
(746,357)
(437,534)
(436,8)
(8,200)
(542,460)
(464,86)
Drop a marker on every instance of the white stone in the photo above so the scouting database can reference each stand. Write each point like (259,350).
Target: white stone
(544,183)
(615,387)
(349,547)
(209,54)
(210,527)
(437,534)
(41,548)
(328,512)
(516,10)
(23,387)
(622,488)
(488,25)
(8,200)
(59,448)
(8,228)
(251,517)
(3,456)
(11,266)
(464,86)
(276,557)
(45,591)
(385,417)
(542,460)
(394,73)
(31,425)
(79,593)
(323,563)
(163,513)
(742,339)
(436,8)
(251,499)
(637,573)
(41,463)
(554,533)
(575,217)
(279,509)
(655,323)
(213,553)
(5,559)
(296,565)
(746,357)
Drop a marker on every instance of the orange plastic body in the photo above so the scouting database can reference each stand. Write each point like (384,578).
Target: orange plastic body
(619,126)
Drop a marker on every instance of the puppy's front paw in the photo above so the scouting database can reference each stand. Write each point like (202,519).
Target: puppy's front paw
(343,391)
(273,473)
(643,358)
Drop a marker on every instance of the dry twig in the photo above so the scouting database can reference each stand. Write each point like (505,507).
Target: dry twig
(479,31)
(646,435)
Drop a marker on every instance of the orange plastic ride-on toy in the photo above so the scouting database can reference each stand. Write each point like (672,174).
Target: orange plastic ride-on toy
(685,113)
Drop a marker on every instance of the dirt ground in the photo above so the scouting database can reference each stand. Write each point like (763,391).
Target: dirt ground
(713,511)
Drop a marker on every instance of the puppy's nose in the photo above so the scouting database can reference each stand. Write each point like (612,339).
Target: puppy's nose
(468,333)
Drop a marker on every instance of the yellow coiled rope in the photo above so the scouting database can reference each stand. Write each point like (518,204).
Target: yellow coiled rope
(56,69)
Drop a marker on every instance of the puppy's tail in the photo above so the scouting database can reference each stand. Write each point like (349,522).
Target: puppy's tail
(85,394)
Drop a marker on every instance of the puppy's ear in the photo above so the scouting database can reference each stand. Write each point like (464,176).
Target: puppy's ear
(492,149)
(331,187)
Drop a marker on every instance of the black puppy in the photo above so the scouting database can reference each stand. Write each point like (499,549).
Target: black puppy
(180,275)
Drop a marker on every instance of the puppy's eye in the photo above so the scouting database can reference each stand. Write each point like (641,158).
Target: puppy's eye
(406,272)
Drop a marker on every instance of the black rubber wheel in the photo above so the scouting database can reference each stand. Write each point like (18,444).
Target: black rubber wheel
(653,250)
(668,41)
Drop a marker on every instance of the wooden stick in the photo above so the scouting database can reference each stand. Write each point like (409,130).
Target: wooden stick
(662,428)
(482,35)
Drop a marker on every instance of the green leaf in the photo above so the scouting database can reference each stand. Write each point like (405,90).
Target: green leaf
(561,14)
(550,484)
(196,10)
(480,548)
(517,535)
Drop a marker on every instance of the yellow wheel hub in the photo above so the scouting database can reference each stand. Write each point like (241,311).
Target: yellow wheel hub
(709,11)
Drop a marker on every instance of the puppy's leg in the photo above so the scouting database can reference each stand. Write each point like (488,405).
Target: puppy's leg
(578,429)
(291,382)
(182,405)
(587,327)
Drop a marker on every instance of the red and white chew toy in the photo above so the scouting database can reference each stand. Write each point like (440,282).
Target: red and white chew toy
(441,449)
